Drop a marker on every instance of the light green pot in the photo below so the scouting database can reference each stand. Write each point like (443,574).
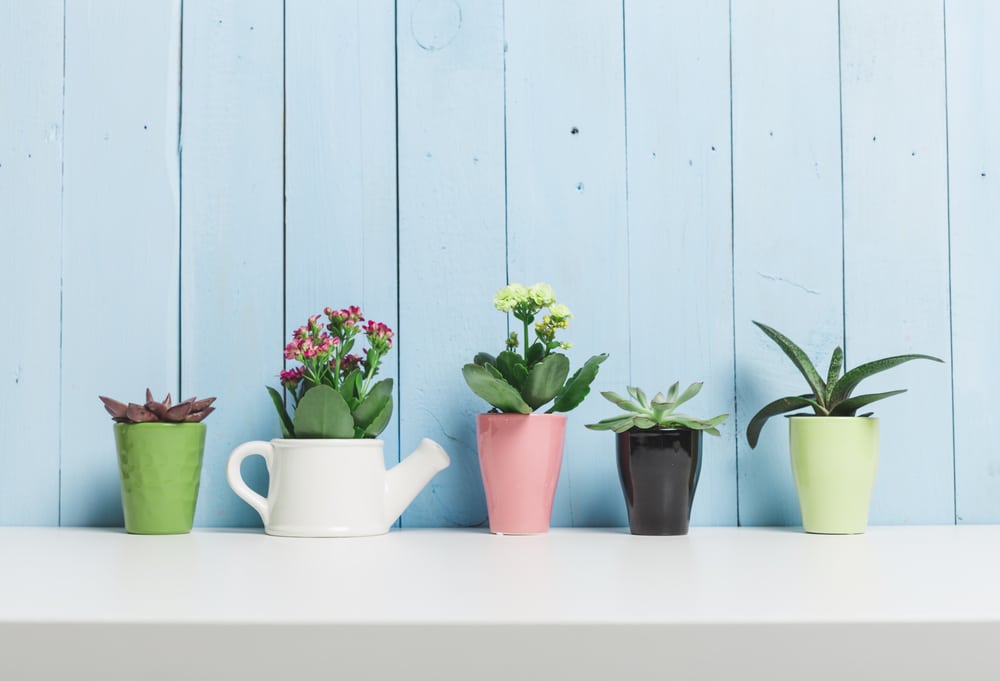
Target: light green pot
(833,463)
(160,469)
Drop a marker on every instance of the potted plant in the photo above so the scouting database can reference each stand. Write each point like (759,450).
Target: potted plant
(659,457)
(834,450)
(520,451)
(160,446)
(327,472)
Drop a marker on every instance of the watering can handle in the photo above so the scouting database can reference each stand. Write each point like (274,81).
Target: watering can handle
(235,477)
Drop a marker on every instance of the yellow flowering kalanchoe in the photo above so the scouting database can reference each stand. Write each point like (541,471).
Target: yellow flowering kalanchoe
(522,382)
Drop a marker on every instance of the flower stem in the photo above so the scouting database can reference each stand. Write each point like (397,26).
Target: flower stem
(525,339)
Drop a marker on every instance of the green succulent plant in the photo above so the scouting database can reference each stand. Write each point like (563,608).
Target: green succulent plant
(516,382)
(656,413)
(832,397)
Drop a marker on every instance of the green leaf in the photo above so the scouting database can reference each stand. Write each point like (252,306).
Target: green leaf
(612,423)
(545,380)
(494,390)
(535,354)
(713,431)
(287,429)
(623,402)
(492,370)
(373,404)
(846,385)
(779,406)
(690,392)
(637,393)
(578,386)
(483,358)
(512,368)
(323,413)
(351,386)
(800,360)
(850,406)
(836,363)
(688,422)
(381,420)
(672,392)
(643,422)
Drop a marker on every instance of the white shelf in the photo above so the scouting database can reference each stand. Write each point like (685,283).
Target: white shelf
(912,602)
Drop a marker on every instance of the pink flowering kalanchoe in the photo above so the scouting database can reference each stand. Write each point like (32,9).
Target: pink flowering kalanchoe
(332,390)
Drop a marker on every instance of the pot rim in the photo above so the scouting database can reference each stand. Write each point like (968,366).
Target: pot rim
(831,418)
(504,414)
(161,424)
(341,441)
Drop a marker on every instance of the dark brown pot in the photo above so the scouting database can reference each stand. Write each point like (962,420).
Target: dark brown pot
(659,470)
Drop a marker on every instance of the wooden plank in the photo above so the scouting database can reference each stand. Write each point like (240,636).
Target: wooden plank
(340,164)
(973,58)
(680,221)
(31,58)
(451,235)
(896,244)
(232,276)
(787,224)
(120,244)
(567,212)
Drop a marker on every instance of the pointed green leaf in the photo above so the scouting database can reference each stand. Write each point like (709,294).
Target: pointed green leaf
(535,354)
(545,380)
(287,429)
(611,423)
(849,406)
(659,399)
(713,431)
(846,385)
(623,402)
(640,396)
(672,392)
(643,422)
(373,404)
(323,413)
(511,366)
(690,392)
(836,363)
(578,386)
(779,406)
(494,389)
(799,359)
(351,386)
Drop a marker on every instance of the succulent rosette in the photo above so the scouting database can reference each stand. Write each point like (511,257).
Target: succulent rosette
(522,381)
(332,390)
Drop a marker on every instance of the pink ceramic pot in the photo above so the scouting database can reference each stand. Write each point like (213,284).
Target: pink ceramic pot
(520,456)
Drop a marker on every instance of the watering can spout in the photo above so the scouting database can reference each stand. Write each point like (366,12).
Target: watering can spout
(405,480)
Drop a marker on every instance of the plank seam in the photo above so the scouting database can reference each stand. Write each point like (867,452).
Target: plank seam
(843,219)
(62,254)
(628,205)
(732,259)
(399,309)
(180,208)
(951,311)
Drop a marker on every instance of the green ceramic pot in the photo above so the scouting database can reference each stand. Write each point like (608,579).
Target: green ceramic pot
(160,468)
(833,463)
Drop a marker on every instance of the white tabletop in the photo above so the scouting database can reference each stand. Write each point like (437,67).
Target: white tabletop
(724,582)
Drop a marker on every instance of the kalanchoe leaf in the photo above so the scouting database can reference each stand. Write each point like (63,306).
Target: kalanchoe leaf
(578,386)
(846,385)
(800,360)
(323,413)
(779,406)
(484,358)
(849,406)
(287,429)
(545,380)
(380,421)
(494,389)
(366,413)
(508,363)
(535,354)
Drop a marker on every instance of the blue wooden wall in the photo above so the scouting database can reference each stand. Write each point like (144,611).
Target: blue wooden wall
(183,182)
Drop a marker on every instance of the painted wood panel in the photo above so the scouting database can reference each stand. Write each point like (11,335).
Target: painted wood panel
(567,212)
(786,224)
(896,244)
(31,60)
(121,227)
(973,59)
(680,221)
(340,166)
(451,235)
(232,288)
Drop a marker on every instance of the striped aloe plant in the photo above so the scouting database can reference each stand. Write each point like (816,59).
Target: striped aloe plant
(832,397)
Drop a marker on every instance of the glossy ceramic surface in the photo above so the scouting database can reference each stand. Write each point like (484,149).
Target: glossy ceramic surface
(333,488)
(833,463)
(520,456)
(159,465)
(659,471)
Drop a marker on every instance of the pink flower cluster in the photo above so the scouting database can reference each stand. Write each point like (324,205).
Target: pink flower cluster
(379,331)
